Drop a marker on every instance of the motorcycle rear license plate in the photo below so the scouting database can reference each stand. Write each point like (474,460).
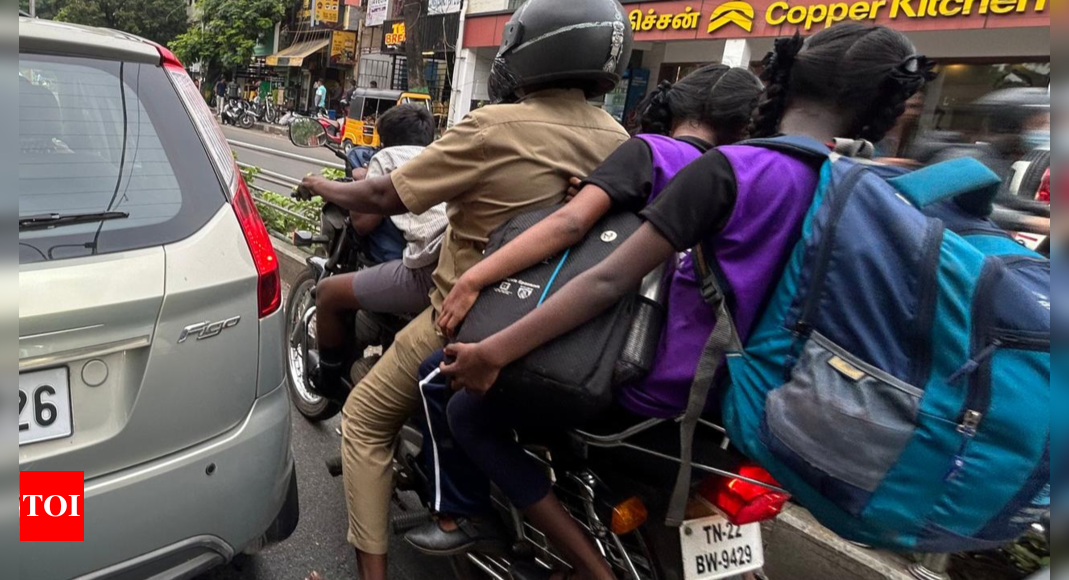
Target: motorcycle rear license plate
(714,548)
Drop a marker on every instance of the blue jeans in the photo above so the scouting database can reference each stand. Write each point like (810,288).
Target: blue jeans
(470,441)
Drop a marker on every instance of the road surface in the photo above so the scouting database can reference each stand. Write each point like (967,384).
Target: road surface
(285,166)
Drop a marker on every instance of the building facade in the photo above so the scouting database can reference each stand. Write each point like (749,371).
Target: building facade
(981,45)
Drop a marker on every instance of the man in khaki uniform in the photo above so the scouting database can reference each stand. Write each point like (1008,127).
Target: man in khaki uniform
(500,161)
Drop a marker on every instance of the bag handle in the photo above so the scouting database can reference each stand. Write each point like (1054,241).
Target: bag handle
(966,179)
(723,340)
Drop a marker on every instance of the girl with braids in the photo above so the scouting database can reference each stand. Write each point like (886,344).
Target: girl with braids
(745,204)
(680,122)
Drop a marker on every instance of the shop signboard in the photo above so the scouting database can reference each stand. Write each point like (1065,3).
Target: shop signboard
(343,48)
(327,12)
(376,12)
(443,6)
(763,18)
(393,37)
(730,19)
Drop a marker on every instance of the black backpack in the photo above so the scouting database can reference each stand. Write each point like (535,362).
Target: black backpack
(571,378)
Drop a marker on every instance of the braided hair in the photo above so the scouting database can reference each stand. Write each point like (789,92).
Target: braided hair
(869,73)
(717,96)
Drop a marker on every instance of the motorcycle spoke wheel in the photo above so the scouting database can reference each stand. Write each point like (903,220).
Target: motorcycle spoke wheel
(313,407)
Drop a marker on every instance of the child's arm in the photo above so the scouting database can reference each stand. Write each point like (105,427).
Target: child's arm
(563,229)
(477,366)
(365,223)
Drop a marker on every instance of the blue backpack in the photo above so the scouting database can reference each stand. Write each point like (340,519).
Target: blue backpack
(898,383)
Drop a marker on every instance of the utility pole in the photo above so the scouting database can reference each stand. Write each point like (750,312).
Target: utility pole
(33,8)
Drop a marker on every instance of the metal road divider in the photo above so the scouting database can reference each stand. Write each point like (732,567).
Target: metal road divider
(286,155)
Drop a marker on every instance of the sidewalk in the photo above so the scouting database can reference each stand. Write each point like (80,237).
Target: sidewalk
(798,548)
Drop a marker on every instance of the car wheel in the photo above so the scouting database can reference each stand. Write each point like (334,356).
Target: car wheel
(1033,177)
(301,301)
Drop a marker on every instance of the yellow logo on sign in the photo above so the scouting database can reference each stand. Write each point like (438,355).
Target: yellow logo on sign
(740,13)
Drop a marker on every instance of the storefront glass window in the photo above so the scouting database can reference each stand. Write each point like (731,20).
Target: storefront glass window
(960,85)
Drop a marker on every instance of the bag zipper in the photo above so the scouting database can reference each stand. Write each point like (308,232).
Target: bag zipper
(978,398)
(816,287)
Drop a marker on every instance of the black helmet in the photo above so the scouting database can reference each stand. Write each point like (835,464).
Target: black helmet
(580,43)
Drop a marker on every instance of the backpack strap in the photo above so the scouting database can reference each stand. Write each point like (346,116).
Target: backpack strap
(723,340)
(804,147)
(966,179)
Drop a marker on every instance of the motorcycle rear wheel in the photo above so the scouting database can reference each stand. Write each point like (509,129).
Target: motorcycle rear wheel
(314,408)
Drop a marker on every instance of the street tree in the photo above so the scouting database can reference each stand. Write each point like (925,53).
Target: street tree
(224,32)
(157,20)
(413,11)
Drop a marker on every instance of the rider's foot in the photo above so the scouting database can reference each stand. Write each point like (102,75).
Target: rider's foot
(328,378)
(450,537)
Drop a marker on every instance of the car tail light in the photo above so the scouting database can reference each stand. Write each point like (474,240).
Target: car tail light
(202,117)
(1044,189)
(629,516)
(744,502)
(269,280)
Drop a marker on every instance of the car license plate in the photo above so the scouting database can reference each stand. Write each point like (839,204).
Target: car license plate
(713,548)
(44,406)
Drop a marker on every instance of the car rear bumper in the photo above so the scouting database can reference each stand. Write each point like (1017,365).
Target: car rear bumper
(176,517)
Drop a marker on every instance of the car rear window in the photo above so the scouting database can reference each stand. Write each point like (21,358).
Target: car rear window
(102,136)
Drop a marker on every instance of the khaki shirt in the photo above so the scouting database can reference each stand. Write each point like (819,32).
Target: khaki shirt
(502,161)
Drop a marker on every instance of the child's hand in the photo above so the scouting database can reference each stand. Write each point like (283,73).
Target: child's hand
(456,308)
(472,369)
(574,185)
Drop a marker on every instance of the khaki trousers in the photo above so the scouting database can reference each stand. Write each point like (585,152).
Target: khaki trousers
(373,417)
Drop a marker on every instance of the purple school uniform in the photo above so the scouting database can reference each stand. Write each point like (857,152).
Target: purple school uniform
(775,192)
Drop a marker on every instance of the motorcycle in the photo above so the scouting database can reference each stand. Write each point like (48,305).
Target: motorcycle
(264,110)
(343,251)
(237,112)
(616,483)
(612,483)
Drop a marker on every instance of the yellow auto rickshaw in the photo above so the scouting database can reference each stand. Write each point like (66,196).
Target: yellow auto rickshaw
(365,108)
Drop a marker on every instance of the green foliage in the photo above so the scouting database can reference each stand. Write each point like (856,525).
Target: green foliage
(284,223)
(157,20)
(281,222)
(333,174)
(225,32)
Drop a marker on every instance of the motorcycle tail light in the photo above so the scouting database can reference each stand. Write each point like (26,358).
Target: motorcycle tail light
(1044,189)
(629,516)
(744,502)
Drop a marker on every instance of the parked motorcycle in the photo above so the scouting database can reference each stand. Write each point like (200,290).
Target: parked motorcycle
(343,251)
(238,113)
(264,110)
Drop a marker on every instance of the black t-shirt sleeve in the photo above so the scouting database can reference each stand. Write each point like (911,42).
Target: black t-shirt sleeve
(627,176)
(697,204)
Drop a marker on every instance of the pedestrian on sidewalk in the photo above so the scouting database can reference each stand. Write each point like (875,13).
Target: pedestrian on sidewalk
(321,98)
(220,95)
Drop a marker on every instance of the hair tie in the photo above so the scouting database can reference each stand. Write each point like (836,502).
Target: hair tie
(783,55)
(914,71)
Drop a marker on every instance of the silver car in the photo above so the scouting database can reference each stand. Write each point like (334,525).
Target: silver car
(150,331)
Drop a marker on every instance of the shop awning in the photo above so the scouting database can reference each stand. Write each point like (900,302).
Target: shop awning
(295,54)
